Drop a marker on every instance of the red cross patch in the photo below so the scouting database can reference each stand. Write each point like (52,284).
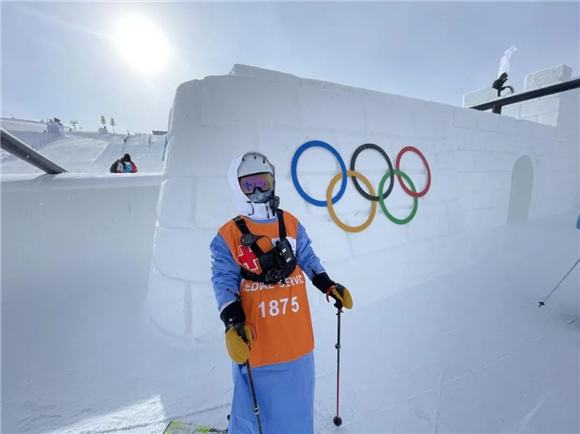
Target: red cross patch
(248,258)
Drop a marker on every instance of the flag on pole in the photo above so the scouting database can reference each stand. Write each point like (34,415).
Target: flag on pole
(504,63)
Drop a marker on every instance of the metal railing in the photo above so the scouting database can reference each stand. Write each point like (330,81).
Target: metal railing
(18,148)
(496,104)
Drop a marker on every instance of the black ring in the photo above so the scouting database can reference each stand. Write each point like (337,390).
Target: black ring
(384,154)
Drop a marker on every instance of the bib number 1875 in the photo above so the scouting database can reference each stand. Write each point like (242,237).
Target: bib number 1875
(277,307)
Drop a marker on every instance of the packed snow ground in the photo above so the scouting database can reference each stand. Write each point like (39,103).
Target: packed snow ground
(469,352)
(84,152)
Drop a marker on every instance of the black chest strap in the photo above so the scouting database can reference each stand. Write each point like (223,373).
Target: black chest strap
(249,239)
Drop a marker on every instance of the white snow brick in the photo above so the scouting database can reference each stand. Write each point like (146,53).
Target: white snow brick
(166,305)
(390,114)
(496,142)
(434,121)
(184,254)
(478,200)
(205,321)
(430,221)
(475,140)
(465,118)
(485,218)
(338,108)
(445,186)
(237,101)
(329,242)
(473,181)
(445,159)
(488,121)
(466,160)
(551,75)
(186,110)
(175,205)
(200,151)
(479,97)
(540,106)
(289,198)
(456,218)
(512,110)
(484,162)
(215,191)
(549,119)
(381,235)
(503,162)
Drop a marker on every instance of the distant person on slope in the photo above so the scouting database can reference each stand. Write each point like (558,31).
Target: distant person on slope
(258,262)
(124,165)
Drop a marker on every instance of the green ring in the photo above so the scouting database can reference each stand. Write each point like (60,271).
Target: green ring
(384,206)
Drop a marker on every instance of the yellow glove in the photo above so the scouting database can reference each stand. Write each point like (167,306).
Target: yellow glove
(341,295)
(239,338)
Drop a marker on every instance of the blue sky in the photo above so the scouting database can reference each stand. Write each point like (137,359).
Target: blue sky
(61,59)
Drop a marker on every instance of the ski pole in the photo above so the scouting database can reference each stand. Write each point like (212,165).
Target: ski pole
(254,400)
(542,303)
(337,420)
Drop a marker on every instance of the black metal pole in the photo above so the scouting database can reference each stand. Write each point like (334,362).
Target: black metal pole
(254,399)
(18,148)
(563,278)
(528,95)
(337,420)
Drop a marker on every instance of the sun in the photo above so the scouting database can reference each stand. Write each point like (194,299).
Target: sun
(142,45)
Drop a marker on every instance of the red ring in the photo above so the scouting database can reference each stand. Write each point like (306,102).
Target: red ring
(397,165)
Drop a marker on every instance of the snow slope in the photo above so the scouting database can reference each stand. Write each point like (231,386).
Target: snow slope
(11,125)
(85,152)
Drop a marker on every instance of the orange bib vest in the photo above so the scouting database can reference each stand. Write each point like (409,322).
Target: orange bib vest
(279,314)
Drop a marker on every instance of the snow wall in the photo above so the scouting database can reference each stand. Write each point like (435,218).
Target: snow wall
(76,253)
(486,170)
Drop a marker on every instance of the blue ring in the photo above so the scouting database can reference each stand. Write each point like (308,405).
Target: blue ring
(298,153)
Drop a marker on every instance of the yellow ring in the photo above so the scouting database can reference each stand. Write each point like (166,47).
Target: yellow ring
(340,224)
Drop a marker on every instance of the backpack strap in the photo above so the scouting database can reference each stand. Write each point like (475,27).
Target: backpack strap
(248,238)
(281,224)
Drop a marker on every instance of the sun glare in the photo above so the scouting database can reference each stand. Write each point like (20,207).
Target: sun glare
(142,45)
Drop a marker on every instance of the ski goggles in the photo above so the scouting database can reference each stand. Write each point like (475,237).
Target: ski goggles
(262,181)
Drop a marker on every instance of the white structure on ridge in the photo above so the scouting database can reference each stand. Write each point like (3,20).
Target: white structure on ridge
(556,110)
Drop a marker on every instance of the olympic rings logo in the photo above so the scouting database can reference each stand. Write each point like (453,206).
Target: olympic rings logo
(344,174)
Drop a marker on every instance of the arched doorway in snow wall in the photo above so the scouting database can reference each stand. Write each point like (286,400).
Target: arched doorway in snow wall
(521,190)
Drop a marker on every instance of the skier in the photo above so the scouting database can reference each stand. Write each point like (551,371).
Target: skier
(124,165)
(258,263)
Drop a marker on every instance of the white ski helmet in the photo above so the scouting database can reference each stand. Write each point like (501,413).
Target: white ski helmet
(254,162)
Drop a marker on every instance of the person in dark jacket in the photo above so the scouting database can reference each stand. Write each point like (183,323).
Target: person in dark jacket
(124,165)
